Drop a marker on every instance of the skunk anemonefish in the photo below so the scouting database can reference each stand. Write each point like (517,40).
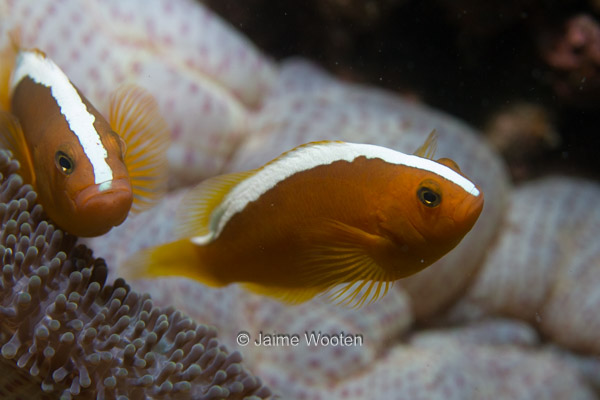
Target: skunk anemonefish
(341,218)
(88,173)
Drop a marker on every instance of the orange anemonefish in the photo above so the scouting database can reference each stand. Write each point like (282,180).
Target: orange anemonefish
(87,175)
(342,218)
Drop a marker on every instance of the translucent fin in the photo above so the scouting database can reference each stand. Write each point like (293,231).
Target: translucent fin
(345,261)
(194,214)
(135,116)
(13,139)
(179,258)
(287,295)
(427,149)
(8,56)
(340,268)
(297,148)
(359,293)
(449,163)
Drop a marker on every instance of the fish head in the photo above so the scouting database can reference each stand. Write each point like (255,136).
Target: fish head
(428,214)
(80,176)
(72,157)
(91,206)
(444,211)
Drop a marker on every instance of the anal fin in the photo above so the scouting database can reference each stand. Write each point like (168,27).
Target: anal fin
(285,294)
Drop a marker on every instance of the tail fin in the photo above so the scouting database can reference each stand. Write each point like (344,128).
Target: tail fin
(179,258)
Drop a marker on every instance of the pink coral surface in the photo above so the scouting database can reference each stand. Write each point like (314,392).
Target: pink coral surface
(193,63)
(533,254)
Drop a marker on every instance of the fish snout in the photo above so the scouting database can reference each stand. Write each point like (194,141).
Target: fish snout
(468,211)
(103,206)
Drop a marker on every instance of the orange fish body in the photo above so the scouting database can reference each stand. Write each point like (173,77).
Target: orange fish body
(87,175)
(327,216)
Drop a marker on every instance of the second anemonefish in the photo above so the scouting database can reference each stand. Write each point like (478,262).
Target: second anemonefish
(335,217)
(88,173)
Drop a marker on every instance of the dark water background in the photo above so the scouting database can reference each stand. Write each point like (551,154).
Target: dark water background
(472,59)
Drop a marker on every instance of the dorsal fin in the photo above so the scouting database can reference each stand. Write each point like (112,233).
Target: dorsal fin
(195,210)
(135,116)
(449,163)
(427,149)
(298,148)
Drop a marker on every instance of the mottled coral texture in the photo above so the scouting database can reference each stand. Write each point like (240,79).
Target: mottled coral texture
(545,266)
(508,315)
(64,331)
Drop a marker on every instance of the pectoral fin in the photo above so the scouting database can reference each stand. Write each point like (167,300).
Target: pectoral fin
(13,139)
(8,54)
(135,116)
(337,265)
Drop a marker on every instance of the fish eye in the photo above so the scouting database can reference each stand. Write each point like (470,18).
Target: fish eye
(64,163)
(429,197)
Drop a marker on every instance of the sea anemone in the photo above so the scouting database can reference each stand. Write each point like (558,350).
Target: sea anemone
(65,331)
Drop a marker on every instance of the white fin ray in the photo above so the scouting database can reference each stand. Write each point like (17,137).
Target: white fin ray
(134,115)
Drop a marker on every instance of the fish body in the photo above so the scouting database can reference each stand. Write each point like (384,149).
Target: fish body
(326,216)
(88,172)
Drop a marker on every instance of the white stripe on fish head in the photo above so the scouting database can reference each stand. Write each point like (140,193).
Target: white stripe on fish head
(310,156)
(43,71)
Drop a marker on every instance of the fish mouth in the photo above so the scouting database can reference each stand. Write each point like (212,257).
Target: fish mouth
(468,211)
(100,207)
(114,191)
